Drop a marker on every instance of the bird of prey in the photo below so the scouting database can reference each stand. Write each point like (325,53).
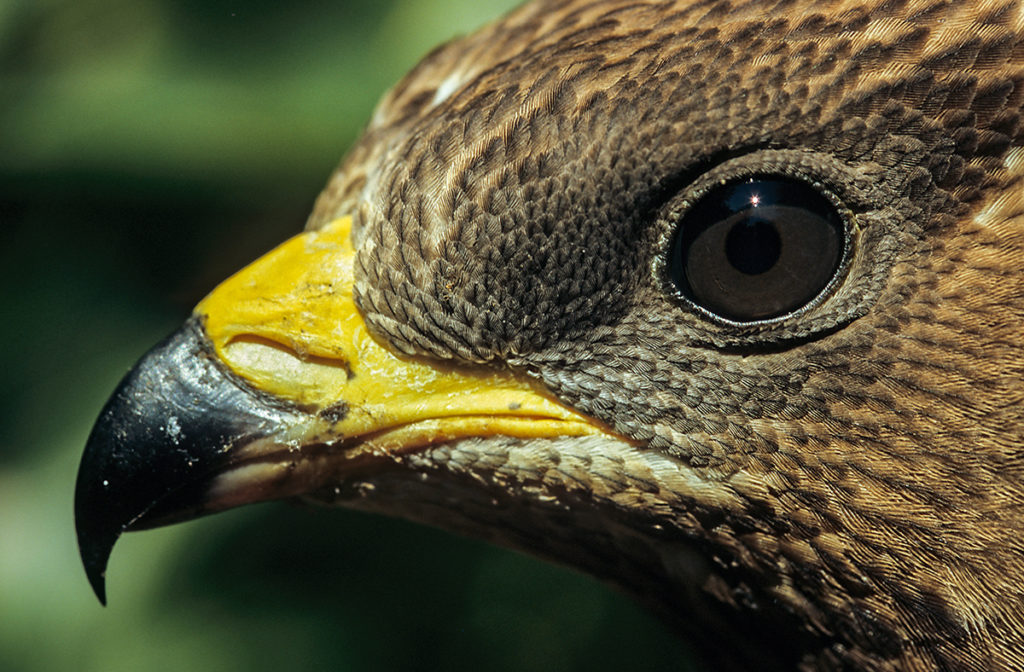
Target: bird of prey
(721,301)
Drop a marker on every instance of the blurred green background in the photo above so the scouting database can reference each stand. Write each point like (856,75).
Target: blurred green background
(148,148)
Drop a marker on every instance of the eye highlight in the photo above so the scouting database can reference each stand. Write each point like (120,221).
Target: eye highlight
(757,249)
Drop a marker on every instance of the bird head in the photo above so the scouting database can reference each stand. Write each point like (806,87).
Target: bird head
(720,302)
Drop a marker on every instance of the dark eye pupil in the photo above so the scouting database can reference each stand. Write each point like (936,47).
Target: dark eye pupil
(757,249)
(753,246)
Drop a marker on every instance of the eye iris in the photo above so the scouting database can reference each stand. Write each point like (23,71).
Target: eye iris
(757,249)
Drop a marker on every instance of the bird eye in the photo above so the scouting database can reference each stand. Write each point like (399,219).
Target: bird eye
(757,249)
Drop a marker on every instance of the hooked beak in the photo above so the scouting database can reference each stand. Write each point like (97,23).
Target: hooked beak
(169,427)
(274,389)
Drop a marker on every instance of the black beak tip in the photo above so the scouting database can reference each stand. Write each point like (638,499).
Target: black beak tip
(94,545)
(136,472)
(116,482)
(98,582)
(96,533)
(94,559)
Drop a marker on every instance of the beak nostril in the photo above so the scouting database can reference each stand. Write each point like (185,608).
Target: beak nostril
(295,349)
(279,369)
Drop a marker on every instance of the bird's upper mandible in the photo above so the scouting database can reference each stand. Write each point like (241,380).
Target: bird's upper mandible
(720,301)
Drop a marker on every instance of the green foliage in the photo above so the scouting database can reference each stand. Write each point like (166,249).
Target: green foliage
(148,148)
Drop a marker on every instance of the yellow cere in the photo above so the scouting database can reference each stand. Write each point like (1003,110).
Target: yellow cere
(289,325)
